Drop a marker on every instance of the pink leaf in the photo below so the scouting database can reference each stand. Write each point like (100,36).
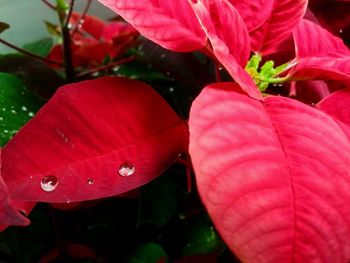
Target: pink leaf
(173,26)
(337,105)
(285,15)
(254,13)
(331,68)
(312,91)
(224,28)
(229,39)
(93,139)
(274,176)
(312,40)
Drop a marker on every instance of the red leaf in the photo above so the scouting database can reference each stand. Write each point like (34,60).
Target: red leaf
(274,176)
(173,26)
(8,213)
(331,68)
(90,24)
(285,15)
(312,40)
(231,47)
(337,105)
(312,91)
(88,134)
(254,13)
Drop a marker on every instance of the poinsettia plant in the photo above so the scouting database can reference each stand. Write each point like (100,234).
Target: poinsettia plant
(240,106)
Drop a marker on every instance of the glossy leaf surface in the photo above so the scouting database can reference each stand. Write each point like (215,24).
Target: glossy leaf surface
(274,176)
(173,26)
(18,105)
(93,139)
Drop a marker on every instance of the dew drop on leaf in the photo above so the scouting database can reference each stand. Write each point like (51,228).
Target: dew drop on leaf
(49,183)
(90,180)
(126,169)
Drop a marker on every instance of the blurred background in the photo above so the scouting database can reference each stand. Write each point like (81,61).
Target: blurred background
(32,14)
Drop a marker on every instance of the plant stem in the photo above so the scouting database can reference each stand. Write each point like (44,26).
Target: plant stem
(111,65)
(21,50)
(67,47)
(81,19)
(49,4)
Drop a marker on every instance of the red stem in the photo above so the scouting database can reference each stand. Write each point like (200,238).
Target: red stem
(30,54)
(81,19)
(111,65)
(49,4)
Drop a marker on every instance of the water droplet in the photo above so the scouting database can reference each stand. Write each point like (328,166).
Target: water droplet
(13,112)
(68,201)
(95,74)
(30,114)
(90,180)
(3,109)
(6,131)
(171,89)
(167,73)
(49,183)
(162,55)
(220,67)
(1,118)
(126,169)
(341,31)
(24,108)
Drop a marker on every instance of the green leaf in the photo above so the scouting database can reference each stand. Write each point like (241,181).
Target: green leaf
(159,199)
(53,29)
(41,47)
(18,105)
(3,27)
(36,75)
(199,237)
(137,70)
(148,253)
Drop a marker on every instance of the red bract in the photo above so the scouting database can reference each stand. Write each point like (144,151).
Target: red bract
(93,139)
(284,17)
(273,174)
(231,48)
(254,13)
(320,55)
(93,40)
(8,213)
(173,26)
